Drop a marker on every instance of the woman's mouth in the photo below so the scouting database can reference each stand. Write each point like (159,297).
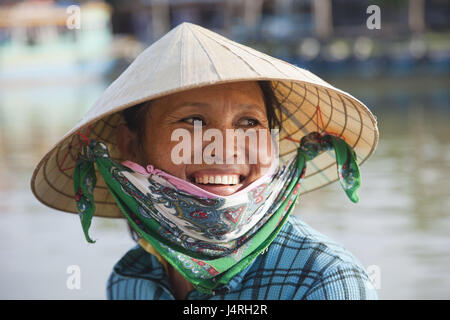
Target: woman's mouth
(219,183)
(218,179)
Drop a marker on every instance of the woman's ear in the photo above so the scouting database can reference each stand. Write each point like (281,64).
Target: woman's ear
(127,143)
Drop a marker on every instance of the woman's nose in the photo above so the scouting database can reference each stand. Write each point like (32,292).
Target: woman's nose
(221,145)
(237,145)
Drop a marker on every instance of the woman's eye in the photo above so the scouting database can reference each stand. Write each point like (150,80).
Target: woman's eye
(248,122)
(192,120)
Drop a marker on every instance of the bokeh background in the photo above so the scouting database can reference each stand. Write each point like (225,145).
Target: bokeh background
(50,75)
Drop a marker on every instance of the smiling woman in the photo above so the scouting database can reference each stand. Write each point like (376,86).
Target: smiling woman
(212,213)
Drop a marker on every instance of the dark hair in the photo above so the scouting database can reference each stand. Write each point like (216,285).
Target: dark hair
(135,117)
(135,120)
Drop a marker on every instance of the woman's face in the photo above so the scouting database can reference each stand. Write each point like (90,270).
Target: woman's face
(220,107)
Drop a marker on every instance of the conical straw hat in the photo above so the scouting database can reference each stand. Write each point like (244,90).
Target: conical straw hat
(188,57)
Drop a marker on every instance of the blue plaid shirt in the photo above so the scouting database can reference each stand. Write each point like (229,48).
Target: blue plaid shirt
(301,263)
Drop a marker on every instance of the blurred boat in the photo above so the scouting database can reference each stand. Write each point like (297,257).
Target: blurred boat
(40,44)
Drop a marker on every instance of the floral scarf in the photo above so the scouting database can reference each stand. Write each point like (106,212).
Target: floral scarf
(208,239)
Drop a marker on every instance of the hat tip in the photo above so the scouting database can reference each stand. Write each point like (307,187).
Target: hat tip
(189,25)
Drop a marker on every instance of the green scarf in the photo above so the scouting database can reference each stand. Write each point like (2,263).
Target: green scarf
(204,271)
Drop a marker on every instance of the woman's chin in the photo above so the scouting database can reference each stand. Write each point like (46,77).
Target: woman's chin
(221,190)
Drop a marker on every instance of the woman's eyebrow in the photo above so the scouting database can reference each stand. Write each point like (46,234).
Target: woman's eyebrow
(243,106)
(253,107)
(174,109)
(192,104)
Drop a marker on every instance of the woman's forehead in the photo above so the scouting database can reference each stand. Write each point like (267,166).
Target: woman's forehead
(248,92)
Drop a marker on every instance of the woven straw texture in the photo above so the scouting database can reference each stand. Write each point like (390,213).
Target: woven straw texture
(190,56)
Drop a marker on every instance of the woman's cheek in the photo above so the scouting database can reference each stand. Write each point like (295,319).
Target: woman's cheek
(160,155)
(266,152)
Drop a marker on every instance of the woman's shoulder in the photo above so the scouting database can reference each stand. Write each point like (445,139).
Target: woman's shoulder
(309,265)
(298,235)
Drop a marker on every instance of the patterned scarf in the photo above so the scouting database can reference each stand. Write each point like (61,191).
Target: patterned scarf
(207,239)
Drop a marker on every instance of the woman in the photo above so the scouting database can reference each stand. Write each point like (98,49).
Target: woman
(182,145)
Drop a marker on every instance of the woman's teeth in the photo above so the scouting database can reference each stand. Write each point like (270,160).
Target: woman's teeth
(228,179)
